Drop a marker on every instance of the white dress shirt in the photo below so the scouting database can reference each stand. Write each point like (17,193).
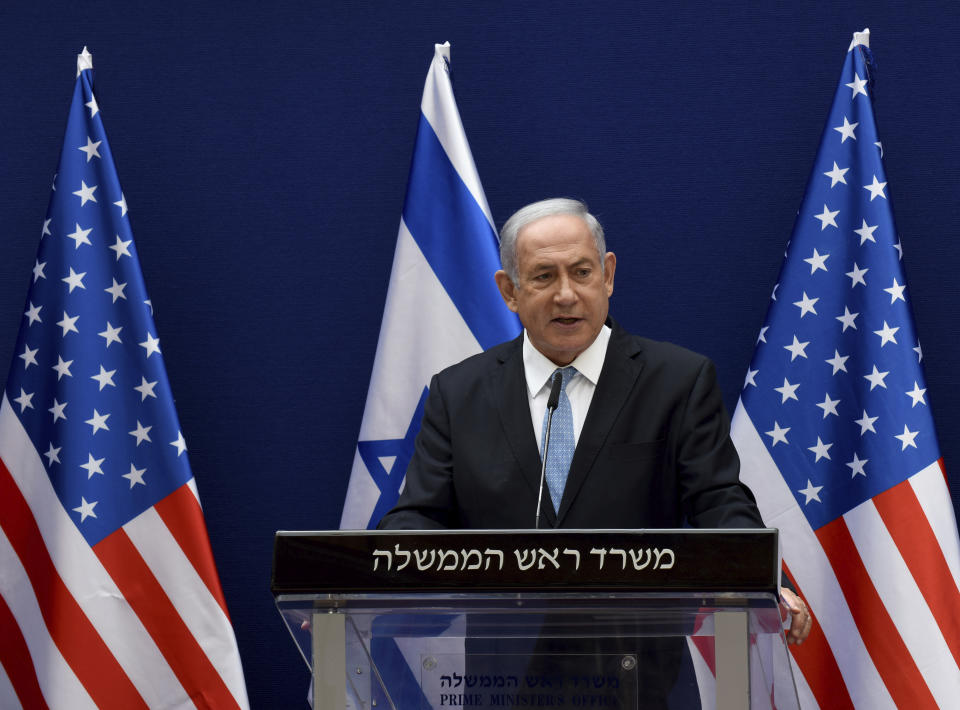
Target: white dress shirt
(539,369)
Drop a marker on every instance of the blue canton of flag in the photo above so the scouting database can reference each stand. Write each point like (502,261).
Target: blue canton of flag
(837,440)
(109,597)
(442,302)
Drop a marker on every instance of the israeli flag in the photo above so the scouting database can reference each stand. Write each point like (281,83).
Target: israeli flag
(442,302)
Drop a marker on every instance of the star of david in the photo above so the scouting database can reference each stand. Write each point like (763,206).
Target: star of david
(377,454)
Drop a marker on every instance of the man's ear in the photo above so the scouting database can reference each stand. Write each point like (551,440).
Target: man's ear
(508,291)
(609,267)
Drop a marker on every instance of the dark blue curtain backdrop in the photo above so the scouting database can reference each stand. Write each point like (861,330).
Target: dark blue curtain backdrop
(263,150)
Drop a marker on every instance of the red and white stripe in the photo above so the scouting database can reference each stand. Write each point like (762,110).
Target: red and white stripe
(136,621)
(702,653)
(881,582)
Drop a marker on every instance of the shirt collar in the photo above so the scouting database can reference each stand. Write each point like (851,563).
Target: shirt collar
(538,368)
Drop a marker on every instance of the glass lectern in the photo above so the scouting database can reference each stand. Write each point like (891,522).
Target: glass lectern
(536,619)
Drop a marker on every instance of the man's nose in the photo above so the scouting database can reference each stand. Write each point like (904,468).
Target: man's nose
(565,292)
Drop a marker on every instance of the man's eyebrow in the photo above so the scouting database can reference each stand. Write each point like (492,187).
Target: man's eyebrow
(550,265)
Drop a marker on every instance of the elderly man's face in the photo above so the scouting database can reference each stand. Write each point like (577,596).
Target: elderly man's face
(561,294)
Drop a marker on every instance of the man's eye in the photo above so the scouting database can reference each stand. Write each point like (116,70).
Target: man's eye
(583,273)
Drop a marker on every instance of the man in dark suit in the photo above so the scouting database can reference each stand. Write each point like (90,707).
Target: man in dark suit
(650,435)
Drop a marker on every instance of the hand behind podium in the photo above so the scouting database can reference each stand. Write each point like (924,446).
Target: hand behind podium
(800,618)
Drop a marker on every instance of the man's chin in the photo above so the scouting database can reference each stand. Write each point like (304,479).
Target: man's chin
(563,352)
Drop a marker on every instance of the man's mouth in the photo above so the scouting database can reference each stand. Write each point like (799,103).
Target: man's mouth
(566,320)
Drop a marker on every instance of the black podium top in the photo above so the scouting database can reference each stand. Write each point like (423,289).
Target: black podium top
(388,562)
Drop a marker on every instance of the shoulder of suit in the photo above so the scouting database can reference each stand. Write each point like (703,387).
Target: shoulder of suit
(654,351)
(482,361)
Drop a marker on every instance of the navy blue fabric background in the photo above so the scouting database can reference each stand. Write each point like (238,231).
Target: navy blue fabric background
(263,149)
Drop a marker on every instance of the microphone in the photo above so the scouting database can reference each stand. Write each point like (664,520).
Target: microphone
(552,401)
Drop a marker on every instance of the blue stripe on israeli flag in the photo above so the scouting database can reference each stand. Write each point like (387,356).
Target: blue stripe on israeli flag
(452,233)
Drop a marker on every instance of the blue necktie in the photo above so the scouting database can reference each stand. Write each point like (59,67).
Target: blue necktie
(562,442)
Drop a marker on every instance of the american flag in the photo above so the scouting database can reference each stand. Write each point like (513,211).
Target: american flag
(837,439)
(108,592)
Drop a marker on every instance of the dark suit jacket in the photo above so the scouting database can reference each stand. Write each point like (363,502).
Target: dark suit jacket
(654,451)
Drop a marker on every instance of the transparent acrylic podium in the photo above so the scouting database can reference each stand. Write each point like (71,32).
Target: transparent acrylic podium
(548,619)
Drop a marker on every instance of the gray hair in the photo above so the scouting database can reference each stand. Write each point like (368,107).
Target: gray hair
(538,210)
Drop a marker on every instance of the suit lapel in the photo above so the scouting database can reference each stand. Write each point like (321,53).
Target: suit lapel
(510,393)
(620,370)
